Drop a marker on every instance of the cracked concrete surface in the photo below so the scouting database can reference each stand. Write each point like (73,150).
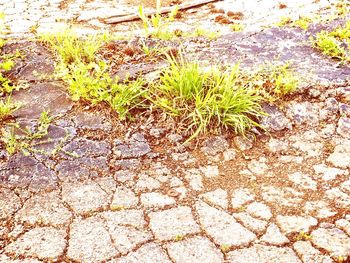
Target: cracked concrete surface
(134,193)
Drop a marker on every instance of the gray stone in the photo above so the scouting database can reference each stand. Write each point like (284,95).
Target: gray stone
(194,178)
(263,254)
(343,225)
(275,120)
(344,127)
(229,154)
(148,253)
(304,112)
(89,241)
(333,240)
(285,196)
(340,198)
(258,167)
(42,242)
(259,210)
(134,149)
(131,217)
(217,197)
(310,254)
(156,200)
(240,197)
(171,223)
(243,143)
(319,209)
(87,148)
(275,145)
(146,182)
(124,198)
(93,121)
(210,171)
(45,208)
(222,227)
(9,203)
(341,156)
(84,197)
(214,146)
(295,224)
(329,173)
(273,236)
(194,250)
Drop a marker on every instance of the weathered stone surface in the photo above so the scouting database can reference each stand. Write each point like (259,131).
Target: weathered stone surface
(263,254)
(240,197)
(340,198)
(273,236)
(41,242)
(126,238)
(319,209)
(303,113)
(286,196)
(256,225)
(222,227)
(146,182)
(194,250)
(275,120)
(46,208)
(85,147)
(344,127)
(259,210)
(303,180)
(343,225)
(333,240)
(156,200)
(89,241)
(84,197)
(329,173)
(258,167)
(93,121)
(310,254)
(130,217)
(6,259)
(9,203)
(194,178)
(168,224)
(147,253)
(243,143)
(217,197)
(295,224)
(215,145)
(210,171)
(341,156)
(134,149)
(124,197)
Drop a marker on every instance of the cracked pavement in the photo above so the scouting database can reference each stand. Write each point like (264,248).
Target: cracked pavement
(132,192)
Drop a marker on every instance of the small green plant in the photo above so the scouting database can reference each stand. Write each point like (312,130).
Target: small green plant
(206,98)
(7,107)
(201,32)
(158,26)
(329,45)
(225,248)
(304,236)
(178,238)
(303,22)
(285,20)
(237,27)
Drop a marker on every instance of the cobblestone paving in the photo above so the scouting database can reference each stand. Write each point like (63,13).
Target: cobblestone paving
(136,194)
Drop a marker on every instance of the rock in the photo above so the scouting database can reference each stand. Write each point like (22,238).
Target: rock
(46,209)
(229,154)
(344,110)
(275,120)
(263,254)
(345,186)
(222,227)
(341,156)
(285,196)
(259,210)
(320,209)
(240,197)
(42,242)
(194,250)
(89,241)
(295,224)
(276,146)
(168,224)
(124,198)
(256,225)
(329,173)
(310,254)
(134,149)
(340,198)
(333,240)
(304,112)
(217,197)
(127,238)
(84,197)
(87,148)
(124,176)
(92,121)
(130,217)
(243,143)
(273,236)
(303,180)
(146,182)
(258,167)
(174,138)
(194,178)
(9,203)
(210,171)
(343,225)
(147,253)
(215,145)
(330,110)
(158,200)
(344,127)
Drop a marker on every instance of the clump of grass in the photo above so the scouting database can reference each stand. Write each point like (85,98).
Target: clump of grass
(7,107)
(303,22)
(206,99)
(88,77)
(329,45)
(201,32)
(157,26)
